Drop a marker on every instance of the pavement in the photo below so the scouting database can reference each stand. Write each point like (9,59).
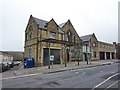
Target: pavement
(21,72)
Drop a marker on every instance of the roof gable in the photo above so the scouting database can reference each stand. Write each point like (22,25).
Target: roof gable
(94,36)
(58,28)
(42,24)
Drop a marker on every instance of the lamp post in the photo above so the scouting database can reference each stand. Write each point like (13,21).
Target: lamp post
(49,56)
(86,55)
(65,55)
(78,54)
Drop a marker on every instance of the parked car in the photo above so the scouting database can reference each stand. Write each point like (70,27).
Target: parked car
(2,67)
(11,64)
(16,63)
(6,65)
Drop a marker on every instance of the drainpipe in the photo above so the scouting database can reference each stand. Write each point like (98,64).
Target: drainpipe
(37,46)
(78,53)
(90,54)
(82,52)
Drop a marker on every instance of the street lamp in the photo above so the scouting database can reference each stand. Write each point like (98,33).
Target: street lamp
(86,54)
(65,55)
(49,55)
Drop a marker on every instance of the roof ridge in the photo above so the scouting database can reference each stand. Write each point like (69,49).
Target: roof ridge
(86,35)
(40,19)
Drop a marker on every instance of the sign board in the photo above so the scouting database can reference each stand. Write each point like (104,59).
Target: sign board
(51,57)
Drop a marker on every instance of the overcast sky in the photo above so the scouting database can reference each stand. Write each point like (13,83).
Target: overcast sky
(87,16)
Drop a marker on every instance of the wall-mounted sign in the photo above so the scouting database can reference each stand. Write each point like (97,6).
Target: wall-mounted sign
(51,57)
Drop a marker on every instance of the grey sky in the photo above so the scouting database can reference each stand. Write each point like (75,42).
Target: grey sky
(87,16)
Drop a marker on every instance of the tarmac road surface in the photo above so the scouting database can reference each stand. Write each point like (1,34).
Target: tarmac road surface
(107,76)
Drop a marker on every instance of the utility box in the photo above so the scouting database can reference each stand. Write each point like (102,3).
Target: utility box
(29,62)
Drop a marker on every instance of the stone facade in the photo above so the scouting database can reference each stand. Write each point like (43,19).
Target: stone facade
(46,39)
(42,37)
(97,50)
(106,50)
(90,47)
(117,47)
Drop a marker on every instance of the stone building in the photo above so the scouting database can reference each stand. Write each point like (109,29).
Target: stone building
(47,42)
(46,39)
(106,50)
(17,55)
(90,47)
(96,50)
(4,57)
(117,47)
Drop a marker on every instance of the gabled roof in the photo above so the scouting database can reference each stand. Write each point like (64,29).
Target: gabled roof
(41,23)
(86,37)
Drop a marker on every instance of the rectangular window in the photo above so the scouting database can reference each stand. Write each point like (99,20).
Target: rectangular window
(52,35)
(73,53)
(30,51)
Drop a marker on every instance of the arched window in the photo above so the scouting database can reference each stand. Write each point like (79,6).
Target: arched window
(30,32)
(74,39)
(73,53)
(69,36)
(94,44)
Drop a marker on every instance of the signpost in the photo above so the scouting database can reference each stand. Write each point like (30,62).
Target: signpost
(65,55)
(52,59)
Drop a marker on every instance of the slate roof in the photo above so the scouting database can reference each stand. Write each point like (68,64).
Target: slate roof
(61,25)
(60,30)
(41,23)
(86,37)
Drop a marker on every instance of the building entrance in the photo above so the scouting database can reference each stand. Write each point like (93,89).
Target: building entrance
(53,52)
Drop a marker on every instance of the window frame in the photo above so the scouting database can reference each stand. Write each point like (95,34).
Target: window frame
(30,51)
(52,35)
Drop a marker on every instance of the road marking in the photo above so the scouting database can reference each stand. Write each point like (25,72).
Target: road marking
(76,72)
(105,81)
(112,85)
(83,73)
(20,76)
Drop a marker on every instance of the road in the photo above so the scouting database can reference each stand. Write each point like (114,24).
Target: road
(106,76)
